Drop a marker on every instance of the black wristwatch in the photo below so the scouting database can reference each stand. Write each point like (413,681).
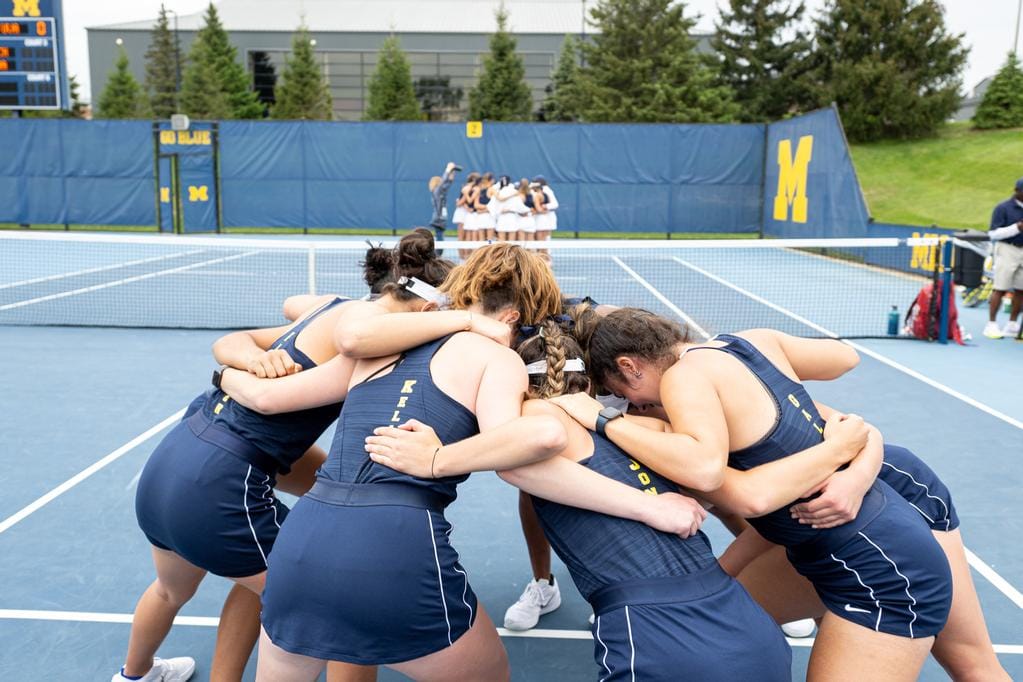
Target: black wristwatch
(218,376)
(604,416)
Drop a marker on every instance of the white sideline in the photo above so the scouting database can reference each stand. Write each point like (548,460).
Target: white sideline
(661,297)
(87,472)
(212,622)
(1000,583)
(89,271)
(126,280)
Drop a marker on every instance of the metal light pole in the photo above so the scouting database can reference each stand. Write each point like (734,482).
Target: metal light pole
(1015,40)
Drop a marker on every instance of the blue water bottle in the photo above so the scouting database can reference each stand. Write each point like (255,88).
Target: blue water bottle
(893,321)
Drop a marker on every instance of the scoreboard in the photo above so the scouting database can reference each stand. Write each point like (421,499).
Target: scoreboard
(32,73)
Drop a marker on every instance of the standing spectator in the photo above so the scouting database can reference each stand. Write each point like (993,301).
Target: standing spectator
(547,221)
(439,194)
(1007,234)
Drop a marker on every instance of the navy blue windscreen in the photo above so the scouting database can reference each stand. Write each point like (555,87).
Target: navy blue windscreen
(286,436)
(405,392)
(601,550)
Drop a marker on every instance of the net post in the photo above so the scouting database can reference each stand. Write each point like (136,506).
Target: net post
(311,269)
(946,288)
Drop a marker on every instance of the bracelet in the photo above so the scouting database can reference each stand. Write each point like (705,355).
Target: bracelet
(434,461)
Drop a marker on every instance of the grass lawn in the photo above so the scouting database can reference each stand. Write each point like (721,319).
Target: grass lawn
(953,180)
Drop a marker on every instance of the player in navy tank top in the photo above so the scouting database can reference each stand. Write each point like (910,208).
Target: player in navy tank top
(205,498)
(881,573)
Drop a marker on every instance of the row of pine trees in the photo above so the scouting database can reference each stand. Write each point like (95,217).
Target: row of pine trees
(891,66)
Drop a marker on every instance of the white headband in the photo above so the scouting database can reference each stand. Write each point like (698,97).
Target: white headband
(571,365)
(423,290)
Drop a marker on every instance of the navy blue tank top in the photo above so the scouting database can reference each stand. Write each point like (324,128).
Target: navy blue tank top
(284,437)
(405,392)
(797,426)
(484,197)
(602,550)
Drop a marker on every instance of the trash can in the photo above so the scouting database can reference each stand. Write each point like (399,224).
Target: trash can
(968,267)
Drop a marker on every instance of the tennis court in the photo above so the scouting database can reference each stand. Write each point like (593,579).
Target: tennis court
(85,405)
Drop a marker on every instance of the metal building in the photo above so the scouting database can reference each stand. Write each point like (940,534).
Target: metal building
(445,41)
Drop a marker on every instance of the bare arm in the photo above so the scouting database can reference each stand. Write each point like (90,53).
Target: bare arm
(771,486)
(366,333)
(242,350)
(817,359)
(321,385)
(694,454)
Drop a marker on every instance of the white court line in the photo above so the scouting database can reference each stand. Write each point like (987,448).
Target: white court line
(89,271)
(1000,583)
(126,280)
(212,622)
(87,472)
(661,297)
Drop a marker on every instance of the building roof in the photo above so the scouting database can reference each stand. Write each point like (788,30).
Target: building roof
(385,16)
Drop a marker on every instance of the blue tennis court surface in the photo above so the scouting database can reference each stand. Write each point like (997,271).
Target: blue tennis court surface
(84,407)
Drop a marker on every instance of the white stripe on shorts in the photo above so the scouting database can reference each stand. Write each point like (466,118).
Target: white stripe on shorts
(440,579)
(911,597)
(245,503)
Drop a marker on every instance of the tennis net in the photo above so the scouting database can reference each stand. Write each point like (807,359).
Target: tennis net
(843,288)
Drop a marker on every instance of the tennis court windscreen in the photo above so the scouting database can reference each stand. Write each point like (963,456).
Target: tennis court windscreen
(845,288)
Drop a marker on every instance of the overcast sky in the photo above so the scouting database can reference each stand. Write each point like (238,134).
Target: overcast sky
(989,33)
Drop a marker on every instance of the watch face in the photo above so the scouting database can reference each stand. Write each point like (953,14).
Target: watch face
(610,413)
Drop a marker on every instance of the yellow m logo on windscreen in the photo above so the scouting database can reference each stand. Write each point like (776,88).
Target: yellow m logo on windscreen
(792,172)
(25,8)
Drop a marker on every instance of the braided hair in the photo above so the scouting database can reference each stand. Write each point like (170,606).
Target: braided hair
(555,346)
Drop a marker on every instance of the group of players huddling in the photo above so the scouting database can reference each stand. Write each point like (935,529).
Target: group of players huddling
(482,366)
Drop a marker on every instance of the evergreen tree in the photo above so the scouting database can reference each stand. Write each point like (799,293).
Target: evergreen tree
(302,92)
(501,94)
(1002,105)
(163,59)
(642,66)
(215,84)
(890,65)
(123,96)
(764,57)
(392,97)
(77,105)
(562,103)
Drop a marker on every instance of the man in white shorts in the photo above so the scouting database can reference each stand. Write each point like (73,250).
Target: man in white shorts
(1007,234)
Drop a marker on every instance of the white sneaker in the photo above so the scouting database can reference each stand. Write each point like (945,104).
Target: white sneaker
(1011,329)
(163,670)
(799,628)
(992,331)
(538,598)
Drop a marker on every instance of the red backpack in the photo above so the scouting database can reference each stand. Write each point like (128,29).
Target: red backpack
(924,316)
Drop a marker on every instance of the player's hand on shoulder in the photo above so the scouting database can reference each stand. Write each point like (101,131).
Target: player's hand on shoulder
(674,513)
(272,364)
(580,407)
(409,448)
(495,330)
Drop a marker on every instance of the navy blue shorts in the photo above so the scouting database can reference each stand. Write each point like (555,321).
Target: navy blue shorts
(365,582)
(910,477)
(700,627)
(208,505)
(890,576)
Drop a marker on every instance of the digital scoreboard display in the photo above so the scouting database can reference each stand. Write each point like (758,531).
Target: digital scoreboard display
(32,74)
